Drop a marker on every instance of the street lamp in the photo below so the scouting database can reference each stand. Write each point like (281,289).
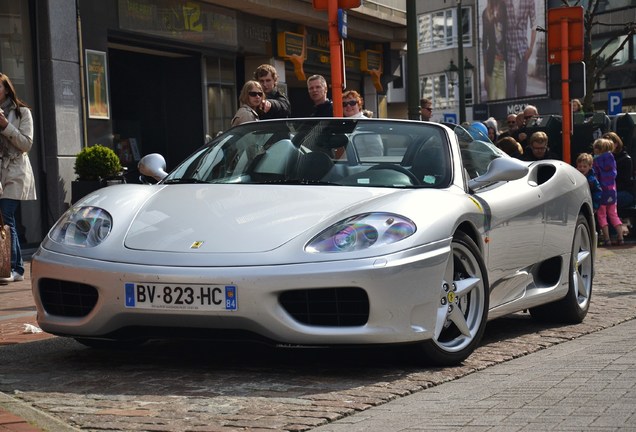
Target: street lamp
(452,71)
(468,72)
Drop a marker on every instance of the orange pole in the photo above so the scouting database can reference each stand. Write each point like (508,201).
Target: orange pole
(565,91)
(336,60)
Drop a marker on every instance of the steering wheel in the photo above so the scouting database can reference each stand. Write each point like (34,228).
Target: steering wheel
(399,168)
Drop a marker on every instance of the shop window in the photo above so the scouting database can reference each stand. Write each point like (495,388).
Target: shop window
(221,93)
(13,40)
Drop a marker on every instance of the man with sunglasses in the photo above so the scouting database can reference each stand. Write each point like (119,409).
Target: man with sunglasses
(426,109)
(521,134)
(276,104)
(511,127)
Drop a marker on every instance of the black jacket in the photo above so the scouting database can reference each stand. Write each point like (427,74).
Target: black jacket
(624,172)
(325,109)
(281,108)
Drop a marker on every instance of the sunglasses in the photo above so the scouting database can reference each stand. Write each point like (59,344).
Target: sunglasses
(350,103)
(254,94)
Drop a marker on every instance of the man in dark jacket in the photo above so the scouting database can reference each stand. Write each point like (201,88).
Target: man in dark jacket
(276,104)
(317,88)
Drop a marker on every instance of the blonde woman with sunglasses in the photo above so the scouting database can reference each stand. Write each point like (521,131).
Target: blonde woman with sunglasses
(251,97)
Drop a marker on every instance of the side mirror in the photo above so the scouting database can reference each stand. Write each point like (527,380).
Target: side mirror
(500,169)
(153,165)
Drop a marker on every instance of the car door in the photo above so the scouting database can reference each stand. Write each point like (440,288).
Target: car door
(514,236)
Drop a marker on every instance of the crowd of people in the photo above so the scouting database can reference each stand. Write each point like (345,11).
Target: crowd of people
(608,167)
(260,99)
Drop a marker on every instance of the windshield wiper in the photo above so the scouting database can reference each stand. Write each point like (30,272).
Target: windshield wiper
(302,182)
(184,181)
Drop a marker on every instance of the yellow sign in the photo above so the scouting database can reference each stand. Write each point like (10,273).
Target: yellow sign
(370,60)
(371,63)
(290,44)
(292,47)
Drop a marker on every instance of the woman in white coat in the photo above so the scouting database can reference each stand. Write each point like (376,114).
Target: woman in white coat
(16,176)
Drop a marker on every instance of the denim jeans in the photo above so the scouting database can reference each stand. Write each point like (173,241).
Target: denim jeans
(8,208)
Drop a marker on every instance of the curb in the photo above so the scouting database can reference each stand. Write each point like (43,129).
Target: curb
(22,417)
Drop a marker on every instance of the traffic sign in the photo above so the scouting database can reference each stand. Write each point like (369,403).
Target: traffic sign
(342,23)
(573,18)
(450,118)
(577,80)
(614,102)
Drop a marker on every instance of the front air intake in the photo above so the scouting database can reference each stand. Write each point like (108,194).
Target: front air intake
(68,299)
(327,307)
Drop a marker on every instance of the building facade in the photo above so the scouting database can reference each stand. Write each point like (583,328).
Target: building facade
(506,56)
(146,76)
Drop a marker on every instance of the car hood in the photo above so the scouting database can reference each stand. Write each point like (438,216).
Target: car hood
(239,218)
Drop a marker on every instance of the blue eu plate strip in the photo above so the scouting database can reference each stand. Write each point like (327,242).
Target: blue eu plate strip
(130,295)
(230,297)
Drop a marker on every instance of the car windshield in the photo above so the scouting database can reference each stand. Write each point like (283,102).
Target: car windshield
(339,152)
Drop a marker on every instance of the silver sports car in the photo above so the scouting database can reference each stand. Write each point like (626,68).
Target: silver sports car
(323,232)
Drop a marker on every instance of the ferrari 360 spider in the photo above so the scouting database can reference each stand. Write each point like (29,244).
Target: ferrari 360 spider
(323,232)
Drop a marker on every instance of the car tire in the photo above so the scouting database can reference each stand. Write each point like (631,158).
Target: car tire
(463,306)
(572,308)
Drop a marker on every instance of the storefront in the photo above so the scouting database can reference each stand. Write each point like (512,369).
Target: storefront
(172,72)
(145,76)
(16,61)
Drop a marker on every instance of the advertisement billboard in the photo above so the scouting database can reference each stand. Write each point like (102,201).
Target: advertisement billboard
(513,51)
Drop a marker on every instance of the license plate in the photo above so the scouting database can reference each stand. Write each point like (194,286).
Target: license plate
(181,297)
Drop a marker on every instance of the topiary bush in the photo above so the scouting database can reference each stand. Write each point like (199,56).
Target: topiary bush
(97,162)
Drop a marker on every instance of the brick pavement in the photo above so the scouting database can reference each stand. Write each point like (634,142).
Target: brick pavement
(16,311)
(613,303)
(588,384)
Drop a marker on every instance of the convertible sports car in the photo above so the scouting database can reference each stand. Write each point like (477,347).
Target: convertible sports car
(323,232)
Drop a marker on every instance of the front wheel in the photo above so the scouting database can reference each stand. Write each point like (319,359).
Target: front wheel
(572,308)
(462,310)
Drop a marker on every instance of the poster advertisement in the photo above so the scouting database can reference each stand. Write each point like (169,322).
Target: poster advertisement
(513,52)
(97,85)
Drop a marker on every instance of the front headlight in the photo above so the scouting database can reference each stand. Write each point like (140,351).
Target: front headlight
(83,226)
(362,232)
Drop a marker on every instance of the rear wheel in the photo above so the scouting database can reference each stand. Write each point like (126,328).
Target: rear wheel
(462,309)
(573,307)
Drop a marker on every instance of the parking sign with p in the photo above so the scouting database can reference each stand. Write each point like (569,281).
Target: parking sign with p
(614,103)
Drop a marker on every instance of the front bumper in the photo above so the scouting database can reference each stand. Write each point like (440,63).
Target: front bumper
(403,292)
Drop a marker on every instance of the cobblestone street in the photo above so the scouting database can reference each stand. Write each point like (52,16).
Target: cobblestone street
(176,387)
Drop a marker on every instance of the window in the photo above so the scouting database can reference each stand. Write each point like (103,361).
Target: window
(437,30)
(221,93)
(607,5)
(621,58)
(443,92)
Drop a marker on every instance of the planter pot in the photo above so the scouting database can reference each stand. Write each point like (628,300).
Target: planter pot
(81,188)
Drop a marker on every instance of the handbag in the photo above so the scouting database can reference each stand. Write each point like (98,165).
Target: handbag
(5,249)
